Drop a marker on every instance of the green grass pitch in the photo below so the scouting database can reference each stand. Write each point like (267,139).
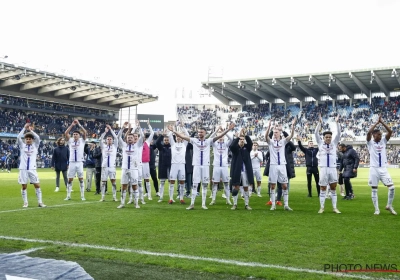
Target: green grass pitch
(162,241)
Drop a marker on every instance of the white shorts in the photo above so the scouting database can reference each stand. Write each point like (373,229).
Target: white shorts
(24,175)
(107,172)
(277,173)
(201,174)
(257,173)
(327,176)
(75,168)
(129,175)
(146,170)
(244,179)
(220,173)
(379,173)
(177,172)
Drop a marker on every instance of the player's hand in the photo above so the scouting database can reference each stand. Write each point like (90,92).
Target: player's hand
(380,119)
(337,118)
(354,170)
(148,122)
(108,126)
(294,121)
(170,127)
(26,126)
(125,124)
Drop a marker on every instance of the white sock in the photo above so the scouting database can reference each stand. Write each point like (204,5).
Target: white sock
(39,194)
(227,191)
(69,188)
(82,186)
(246,198)
(123,196)
(203,194)
(322,197)
(148,189)
(24,194)
(214,191)
(130,192)
(285,197)
(390,196)
(250,189)
(374,196)
(140,188)
(194,194)
(241,191)
(334,198)
(136,196)
(181,191)
(272,198)
(259,190)
(114,189)
(162,182)
(171,191)
(235,199)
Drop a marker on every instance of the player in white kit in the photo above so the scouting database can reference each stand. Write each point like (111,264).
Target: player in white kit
(220,165)
(27,165)
(109,156)
(378,165)
(178,154)
(130,165)
(256,160)
(201,162)
(143,173)
(327,164)
(76,146)
(277,169)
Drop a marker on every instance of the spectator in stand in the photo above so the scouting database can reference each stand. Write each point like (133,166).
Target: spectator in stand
(60,161)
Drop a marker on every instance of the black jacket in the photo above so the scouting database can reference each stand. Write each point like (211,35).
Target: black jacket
(90,161)
(60,159)
(152,162)
(241,156)
(164,158)
(310,154)
(350,160)
(98,156)
(189,158)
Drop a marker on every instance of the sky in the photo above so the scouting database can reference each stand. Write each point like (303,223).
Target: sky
(163,47)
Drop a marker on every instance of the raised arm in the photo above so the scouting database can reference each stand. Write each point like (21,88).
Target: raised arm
(21,134)
(317,137)
(301,147)
(184,137)
(170,135)
(249,143)
(120,140)
(66,133)
(389,131)
(35,136)
(338,133)
(231,126)
(148,141)
(371,129)
(267,138)
(292,132)
(84,136)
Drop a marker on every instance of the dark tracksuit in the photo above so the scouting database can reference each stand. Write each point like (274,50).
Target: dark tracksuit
(350,161)
(98,156)
(152,166)
(60,161)
(312,166)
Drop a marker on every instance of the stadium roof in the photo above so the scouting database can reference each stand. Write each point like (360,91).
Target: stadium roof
(34,83)
(316,85)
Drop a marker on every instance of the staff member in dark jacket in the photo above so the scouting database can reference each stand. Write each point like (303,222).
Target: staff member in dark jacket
(241,168)
(60,161)
(312,165)
(348,165)
(189,169)
(164,161)
(90,164)
(98,157)
(152,164)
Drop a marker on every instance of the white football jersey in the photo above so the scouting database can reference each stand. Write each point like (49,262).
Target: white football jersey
(221,150)
(201,151)
(327,152)
(377,153)
(256,160)
(28,153)
(277,151)
(76,149)
(130,155)
(109,152)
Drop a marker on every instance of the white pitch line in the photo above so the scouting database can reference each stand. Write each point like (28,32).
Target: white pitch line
(188,257)
(28,251)
(52,206)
